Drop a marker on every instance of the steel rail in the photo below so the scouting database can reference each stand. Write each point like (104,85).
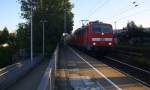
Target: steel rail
(131,67)
(127,64)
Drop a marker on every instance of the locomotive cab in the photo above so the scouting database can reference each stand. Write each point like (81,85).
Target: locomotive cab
(95,36)
(100,36)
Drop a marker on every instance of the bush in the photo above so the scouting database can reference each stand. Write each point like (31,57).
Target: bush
(5,56)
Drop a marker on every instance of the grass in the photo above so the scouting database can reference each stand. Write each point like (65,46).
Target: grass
(142,48)
(5,56)
(141,61)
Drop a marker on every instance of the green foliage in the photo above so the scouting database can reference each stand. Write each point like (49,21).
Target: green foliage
(53,12)
(12,40)
(6,53)
(133,34)
(4,36)
(6,56)
(22,37)
(135,31)
(142,61)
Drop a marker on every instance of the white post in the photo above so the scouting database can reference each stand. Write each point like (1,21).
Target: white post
(115,24)
(65,27)
(43,25)
(31,35)
(43,40)
(116,27)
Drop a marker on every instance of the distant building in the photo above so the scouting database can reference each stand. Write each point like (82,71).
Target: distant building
(117,31)
(132,40)
(147,29)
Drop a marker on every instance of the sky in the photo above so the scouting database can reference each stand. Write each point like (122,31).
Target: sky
(10,14)
(108,11)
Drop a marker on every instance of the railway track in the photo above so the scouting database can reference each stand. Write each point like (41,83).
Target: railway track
(137,59)
(135,72)
(138,53)
(120,60)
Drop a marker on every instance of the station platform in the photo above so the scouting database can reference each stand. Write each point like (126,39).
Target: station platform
(78,71)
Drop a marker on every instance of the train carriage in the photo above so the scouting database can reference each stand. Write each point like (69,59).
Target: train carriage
(94,36)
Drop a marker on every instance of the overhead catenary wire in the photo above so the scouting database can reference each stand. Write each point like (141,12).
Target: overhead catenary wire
(120,13)
(95,6)
(134,5)
(90,10)
(134,14)
(99,7)
(131,15)
(119,16)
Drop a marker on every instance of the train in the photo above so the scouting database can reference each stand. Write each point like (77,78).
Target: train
(95,36)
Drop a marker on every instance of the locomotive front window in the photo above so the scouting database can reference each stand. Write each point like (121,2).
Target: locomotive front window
(100,29)
(106,29)
(96,29)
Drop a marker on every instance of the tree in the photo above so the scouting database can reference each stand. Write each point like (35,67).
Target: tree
(0,37)
(22,37)
(52,11)
(12,39)
(4,36)
(133,34)
(6,53)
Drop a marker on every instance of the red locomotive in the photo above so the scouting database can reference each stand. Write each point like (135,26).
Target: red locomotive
(94,36)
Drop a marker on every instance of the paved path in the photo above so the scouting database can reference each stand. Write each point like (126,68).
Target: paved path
(32,79)
(77,71)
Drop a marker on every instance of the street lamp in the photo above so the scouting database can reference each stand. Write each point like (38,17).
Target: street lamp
(32,7)
(65,24)
(115,24)
(43,24)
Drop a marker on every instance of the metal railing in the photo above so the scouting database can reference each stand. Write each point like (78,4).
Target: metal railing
(9,74)
(48,79)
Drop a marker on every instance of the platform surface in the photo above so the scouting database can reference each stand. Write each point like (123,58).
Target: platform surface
(78,71)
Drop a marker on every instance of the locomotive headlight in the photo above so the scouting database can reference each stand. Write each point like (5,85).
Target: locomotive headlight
(102,33)
(94,43)
(110,43)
